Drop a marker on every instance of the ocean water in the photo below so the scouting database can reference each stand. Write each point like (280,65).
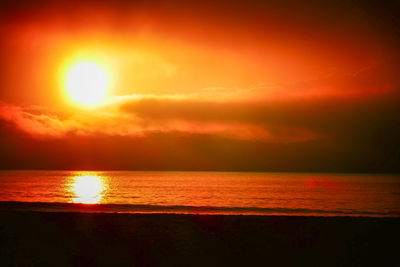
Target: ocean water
(202,192)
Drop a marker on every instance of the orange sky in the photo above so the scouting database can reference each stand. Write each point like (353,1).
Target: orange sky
(236,78)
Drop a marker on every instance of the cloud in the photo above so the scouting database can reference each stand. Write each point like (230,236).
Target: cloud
(324,108)
(144,116)
(34,124)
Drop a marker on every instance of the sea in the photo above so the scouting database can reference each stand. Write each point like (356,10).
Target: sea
(230,193)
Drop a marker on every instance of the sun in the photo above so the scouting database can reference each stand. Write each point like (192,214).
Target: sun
(87,83)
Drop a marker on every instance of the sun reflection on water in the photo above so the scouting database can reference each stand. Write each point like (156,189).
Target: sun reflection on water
(87,188)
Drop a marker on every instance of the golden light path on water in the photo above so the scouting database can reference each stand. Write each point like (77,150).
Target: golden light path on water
(87,188)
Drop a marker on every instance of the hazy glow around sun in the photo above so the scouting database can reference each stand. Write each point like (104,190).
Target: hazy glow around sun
(87,83)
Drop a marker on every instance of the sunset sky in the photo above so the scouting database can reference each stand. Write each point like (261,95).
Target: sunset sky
(201,85)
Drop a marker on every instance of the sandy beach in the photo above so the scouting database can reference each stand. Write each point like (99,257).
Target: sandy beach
(89,239)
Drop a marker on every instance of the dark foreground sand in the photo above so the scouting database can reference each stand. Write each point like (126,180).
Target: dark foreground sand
(85,239)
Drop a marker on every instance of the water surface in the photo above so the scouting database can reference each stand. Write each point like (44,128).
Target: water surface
(204,192)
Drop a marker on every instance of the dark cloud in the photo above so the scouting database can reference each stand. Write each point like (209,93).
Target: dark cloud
(189,152)
(350,135)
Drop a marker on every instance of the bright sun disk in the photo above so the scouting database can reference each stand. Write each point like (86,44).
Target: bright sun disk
(87,83)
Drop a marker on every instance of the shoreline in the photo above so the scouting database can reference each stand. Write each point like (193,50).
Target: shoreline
(159,209)
(97,239)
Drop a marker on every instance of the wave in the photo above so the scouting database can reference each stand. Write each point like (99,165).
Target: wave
(138,208)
